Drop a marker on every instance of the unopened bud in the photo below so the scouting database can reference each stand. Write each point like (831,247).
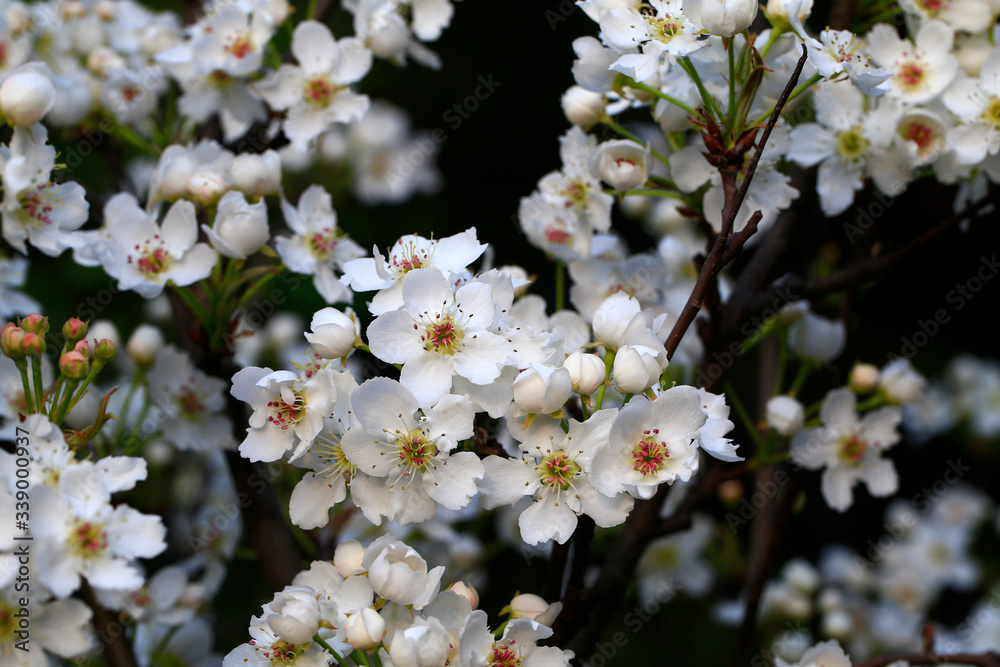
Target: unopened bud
(11,339)
(74,329)
(348,557)
(583,107)
(83,347)
(32,344)
(104,351)
(527,605)
(467,592)
(144,344)
(365,629)
(35,323)
(74,365)
(864,378)
(27,94)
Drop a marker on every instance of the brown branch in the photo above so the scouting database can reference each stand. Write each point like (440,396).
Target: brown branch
(110,632)
(858,272)
(726,244)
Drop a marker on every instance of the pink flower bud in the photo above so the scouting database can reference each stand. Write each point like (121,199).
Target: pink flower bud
(11,340)
(32,344)
(74,329)
(35,323)
(83,347)
(466,591)
(74,365)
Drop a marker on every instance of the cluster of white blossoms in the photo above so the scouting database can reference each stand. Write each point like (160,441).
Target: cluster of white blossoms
(464,346)
(383,598)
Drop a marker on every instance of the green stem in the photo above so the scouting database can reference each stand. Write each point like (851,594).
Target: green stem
(133,387)
(609,361)
(800,378)
(663,96)
(731,115)
(771,39)
(191,301)
(710,107)
(801,88)
(744,416)
(36,376)
(66,404)
(339,658)
(29,400)
(359,656)
(133,138)
(560,285)
(779,374)
(647,192)
(311,11)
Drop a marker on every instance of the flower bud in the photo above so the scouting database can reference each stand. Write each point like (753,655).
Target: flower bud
(32,344)
(527,605)
(901,383)
(364,629)
(586,371)
(104,351)
(347,558)
(542,389)
(636,368)
(240,229)
(11,340)
(724,18)
(256,175)
(27,94)
(817,338)
(333,333)
(206,186)
(583,107)
(622,164)
(863,378)
(144,344)
(73,365)
(467,592)
(74,329)
(35,323)
(785,415)
(423,644)
(296,614)
(83,347)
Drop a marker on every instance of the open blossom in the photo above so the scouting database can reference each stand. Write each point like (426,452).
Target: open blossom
(144,256)
(440,334)
(651,442)
(34,209)
(412,450)
(850,141)
(976,102)
(557,471)
(649,37)
(316,93)
(83,535)
(288,410)
(849,449)
(318,245)
(385,273)
(922,69)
